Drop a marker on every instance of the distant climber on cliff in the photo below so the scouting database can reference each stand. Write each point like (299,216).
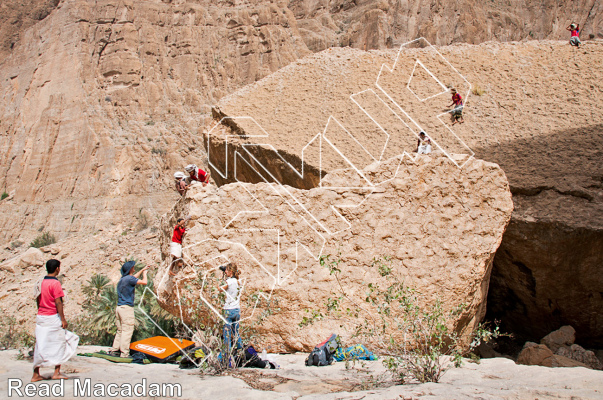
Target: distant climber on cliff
(457,111)
(181,185)
(176,244)
(196,174)
(575,32)
(423,144)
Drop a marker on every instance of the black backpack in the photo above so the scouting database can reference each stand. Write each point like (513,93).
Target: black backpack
(323,352)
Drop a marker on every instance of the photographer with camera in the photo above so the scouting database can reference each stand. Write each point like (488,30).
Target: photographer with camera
(232,311)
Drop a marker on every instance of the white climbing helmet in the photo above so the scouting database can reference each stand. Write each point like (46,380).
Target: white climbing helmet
(190,168)
(179,175)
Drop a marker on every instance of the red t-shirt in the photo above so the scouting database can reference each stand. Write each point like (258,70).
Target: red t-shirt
(200,176)
(457,99)
(575,32)
(51,289)
(178,233)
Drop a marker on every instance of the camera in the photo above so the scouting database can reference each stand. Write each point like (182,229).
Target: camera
(223,268)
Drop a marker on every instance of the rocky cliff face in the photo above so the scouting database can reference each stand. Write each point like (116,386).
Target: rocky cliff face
(386,24)
(102,101)
(439,224)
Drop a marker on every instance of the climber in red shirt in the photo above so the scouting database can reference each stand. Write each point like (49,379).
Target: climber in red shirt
(197,174)
(176,244)
(575,32)
(457,111)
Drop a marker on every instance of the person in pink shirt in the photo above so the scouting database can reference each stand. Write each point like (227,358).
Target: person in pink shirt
(54,344)
(575,32)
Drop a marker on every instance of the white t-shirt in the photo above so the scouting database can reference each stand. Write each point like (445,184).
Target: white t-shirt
(232,294)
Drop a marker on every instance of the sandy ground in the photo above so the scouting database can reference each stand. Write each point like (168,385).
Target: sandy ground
(496,378)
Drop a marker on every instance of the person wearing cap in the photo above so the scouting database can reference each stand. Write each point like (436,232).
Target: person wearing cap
(457,111)
(423,144)
(181,185)
(196,175)
(575,32)
(176,244)
(124,313)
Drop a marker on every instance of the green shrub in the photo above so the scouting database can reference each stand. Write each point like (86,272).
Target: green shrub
(4,195)
(15,244)
(424,342)
(143,220)
(12,334)
(160,151)
(45,239)
(478,91)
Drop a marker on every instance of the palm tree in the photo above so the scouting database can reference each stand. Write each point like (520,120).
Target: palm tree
(95,285)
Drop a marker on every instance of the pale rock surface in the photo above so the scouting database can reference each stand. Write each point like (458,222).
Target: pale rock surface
(33,257)
(439,224)
(495,378)
(562,337)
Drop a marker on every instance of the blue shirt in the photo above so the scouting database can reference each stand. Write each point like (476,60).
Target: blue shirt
(125,290)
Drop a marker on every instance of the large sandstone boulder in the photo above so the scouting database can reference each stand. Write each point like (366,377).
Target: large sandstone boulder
(545,132)
(439,224)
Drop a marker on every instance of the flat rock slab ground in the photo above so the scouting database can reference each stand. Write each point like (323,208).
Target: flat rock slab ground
(495,378)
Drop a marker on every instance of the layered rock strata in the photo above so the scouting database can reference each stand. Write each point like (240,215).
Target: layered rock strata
(101,101)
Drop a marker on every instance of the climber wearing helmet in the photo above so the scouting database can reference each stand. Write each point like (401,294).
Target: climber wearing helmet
(196,174)
(575,38)
(181,185)
(457,111)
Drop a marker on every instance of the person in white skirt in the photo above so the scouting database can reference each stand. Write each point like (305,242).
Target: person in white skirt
(54,343)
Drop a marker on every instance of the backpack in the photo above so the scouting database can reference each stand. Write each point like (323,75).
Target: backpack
(323,352)
(251,359)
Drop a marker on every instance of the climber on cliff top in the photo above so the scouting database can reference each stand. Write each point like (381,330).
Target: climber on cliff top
(176,244)
(196,174)
(181,185)
(575,31)
(457,111)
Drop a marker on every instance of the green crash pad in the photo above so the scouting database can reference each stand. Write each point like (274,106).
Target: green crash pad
(114,359)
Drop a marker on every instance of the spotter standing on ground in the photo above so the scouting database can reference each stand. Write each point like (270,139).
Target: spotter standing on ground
(124,313)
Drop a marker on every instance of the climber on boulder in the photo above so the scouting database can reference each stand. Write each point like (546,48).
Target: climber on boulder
(457,111)
(575,34)
(423,144)
(196,174)
(181,185)
(176,244)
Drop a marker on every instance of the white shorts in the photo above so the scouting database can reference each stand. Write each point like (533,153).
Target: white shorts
(176,249)
(424,149)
